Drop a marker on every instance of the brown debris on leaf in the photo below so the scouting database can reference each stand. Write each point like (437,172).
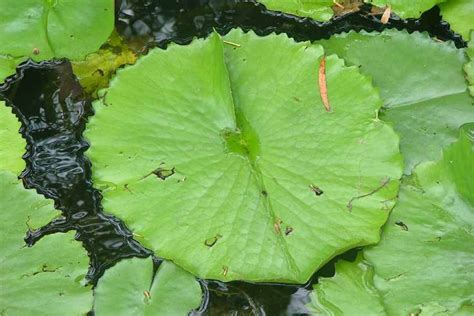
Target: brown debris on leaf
(343,7)
(386,15)
(323,90)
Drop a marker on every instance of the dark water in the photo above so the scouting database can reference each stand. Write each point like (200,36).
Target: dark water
(53,110)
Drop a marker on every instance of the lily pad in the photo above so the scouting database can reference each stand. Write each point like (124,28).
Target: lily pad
(407,8)
(12,144)
(469,66)
(45,279)
(425,99)
(132,288)
(350,292)
(320,10)
(228,163)
(424,261)
(460,15)
(43,29)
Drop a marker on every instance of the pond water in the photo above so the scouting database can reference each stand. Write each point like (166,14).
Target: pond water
(53,109)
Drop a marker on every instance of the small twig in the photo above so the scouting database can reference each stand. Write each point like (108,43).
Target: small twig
(231,43)
(323,89)
(349,205)
(337,4)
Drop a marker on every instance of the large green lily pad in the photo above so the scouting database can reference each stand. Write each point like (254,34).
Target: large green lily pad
(43,29)
(425,99)
(228,163)
(407,8)
(132,288)
(320,10)
(460,15)
(424,261)
(12,145)
(46,279)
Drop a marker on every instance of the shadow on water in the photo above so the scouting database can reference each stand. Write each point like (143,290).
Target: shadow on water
(53,110)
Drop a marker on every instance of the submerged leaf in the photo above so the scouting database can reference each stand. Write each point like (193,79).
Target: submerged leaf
(424,262)
(421,82)
(243,139)
(131,288)
(95,71)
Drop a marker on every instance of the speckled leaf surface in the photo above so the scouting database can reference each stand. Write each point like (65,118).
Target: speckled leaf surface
(421,82)
(320,10)
(350,291)
(407,8)
(460,15)
(232,163)
(46,278)
(43,29)
(12,145)
(130,288)
(425,259)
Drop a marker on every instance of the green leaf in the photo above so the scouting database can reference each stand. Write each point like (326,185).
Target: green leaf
(131,288)
(45,279)
(469,66)
(407,8)
(350,292)
(460,15)
(228,163)
(421,82)
(43,29)
(423,263)
(320,10)
(12,144)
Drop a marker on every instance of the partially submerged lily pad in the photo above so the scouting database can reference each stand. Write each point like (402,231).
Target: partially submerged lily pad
(231,162)
(320,10)
(425,99)
(424,261)
(46,279)
(132,288)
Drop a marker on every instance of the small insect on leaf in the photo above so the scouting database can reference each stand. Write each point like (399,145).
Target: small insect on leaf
(225,269)
(402,225)
(147,294)
(288,230)
(323,89)
(36,51)
(386,15)
(316,190)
